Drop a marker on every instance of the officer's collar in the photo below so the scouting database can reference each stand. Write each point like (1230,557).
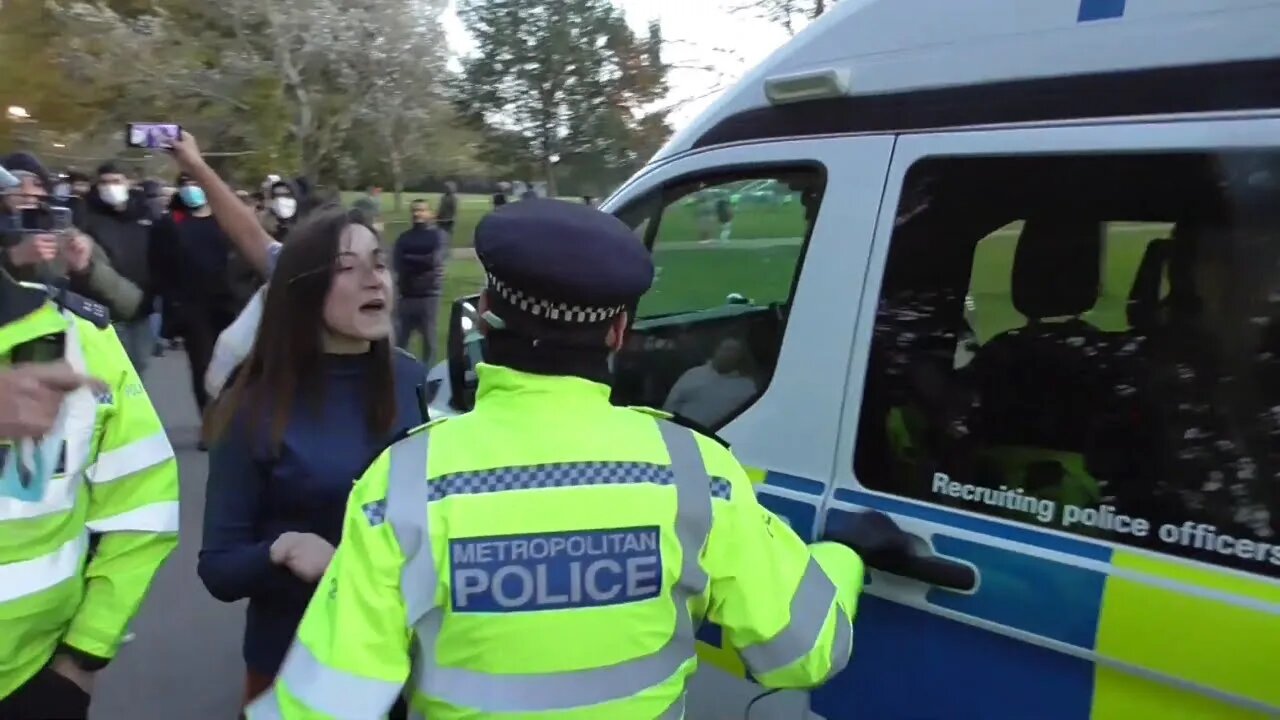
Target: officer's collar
(499,381)
(18,300)
(518,353)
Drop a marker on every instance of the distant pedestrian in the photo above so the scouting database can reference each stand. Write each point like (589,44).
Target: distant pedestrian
(500,197)
(418,260)
(529,192)
(371,207)
(281,212)
(196,286)
(447,213)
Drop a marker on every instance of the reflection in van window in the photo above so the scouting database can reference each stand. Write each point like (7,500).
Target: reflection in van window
(1087,344)
(727,250)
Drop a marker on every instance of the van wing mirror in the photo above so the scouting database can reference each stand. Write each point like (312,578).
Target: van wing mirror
(464,349)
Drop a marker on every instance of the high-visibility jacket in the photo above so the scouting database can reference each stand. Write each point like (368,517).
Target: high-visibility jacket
(551,557)
(114,487)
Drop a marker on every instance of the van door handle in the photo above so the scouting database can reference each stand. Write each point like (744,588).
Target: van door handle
(885,546)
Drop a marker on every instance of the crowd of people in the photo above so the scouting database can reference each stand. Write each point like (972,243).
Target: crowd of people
(221,268)
(156,257)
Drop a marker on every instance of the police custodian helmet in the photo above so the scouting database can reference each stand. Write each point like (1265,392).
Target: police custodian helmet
(560,264)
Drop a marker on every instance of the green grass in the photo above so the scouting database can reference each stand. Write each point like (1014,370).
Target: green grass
(682,223)
(470,209)
(758,261)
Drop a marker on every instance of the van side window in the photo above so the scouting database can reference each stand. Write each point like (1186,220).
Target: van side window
(1086,344)
(727,250)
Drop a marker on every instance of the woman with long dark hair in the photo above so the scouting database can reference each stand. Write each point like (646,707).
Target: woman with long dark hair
(322,391)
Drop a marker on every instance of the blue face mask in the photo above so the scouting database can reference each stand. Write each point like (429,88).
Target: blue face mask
(192,196)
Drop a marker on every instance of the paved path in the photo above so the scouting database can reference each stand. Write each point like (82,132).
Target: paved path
(185,663)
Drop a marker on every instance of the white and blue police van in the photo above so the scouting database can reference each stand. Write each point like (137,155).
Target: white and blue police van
(1005,274)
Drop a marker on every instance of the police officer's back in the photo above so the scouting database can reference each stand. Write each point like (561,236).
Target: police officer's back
(549,552)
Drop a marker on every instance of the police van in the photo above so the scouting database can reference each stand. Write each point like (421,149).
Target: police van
(1004,278)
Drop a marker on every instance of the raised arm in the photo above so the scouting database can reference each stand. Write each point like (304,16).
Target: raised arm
(235,218)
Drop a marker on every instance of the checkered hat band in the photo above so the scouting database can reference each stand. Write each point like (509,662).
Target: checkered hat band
(561,475)
(562,312)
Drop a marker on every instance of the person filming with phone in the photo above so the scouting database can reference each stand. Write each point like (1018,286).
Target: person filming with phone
(56,256)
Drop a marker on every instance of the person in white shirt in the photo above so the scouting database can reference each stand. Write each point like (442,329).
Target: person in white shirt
(709,393)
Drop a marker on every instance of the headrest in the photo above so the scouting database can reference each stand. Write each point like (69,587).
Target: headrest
(1057,267)
(1144,297)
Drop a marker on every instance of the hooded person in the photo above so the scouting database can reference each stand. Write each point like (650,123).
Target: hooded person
(122,224)
(191,256)
(77,200)
(153,194)
(73,259)
(284,205)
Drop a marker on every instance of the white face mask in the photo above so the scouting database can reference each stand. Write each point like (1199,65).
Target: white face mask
(113,195)
(284,207)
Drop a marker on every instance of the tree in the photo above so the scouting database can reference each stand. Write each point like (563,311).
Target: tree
(286,78)
(564,78)
(404,63)
(787,13)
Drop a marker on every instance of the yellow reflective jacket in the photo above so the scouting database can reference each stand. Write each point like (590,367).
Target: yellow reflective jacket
(114,485)
(552,556)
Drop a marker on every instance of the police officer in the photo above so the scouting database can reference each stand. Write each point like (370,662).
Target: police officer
(101,474)
(553,553)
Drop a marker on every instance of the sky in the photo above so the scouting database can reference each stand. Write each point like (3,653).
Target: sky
(709,46)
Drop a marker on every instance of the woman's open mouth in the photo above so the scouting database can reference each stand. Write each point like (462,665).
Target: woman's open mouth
(374,306)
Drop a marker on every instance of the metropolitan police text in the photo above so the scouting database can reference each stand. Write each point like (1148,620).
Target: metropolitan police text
(549,571)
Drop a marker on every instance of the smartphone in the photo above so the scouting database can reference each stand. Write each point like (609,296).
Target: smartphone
(151,136)
(44,218)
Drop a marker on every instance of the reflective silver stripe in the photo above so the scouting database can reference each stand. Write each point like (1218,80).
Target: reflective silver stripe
(407,511)
(334,692)
(59,497)
(842,646)
(810,606)
(161,517)
(128,459)
(265,707)
(693,505)
(28,577)
(493,693)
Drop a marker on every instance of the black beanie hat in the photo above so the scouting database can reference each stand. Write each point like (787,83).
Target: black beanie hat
(26,162)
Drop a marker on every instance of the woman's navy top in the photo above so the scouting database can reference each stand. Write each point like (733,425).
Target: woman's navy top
(252,497)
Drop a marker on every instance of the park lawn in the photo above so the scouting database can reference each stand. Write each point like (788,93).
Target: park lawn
(470,209)
(691,276)
(679,222)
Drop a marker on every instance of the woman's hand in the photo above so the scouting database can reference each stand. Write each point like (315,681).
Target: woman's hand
(307,555)
(187,153)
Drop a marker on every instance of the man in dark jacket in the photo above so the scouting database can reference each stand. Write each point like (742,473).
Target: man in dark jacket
(78,200)
(121,223)
(190,265)
(418,260)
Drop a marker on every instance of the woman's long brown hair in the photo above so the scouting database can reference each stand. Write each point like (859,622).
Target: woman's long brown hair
(286,363)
